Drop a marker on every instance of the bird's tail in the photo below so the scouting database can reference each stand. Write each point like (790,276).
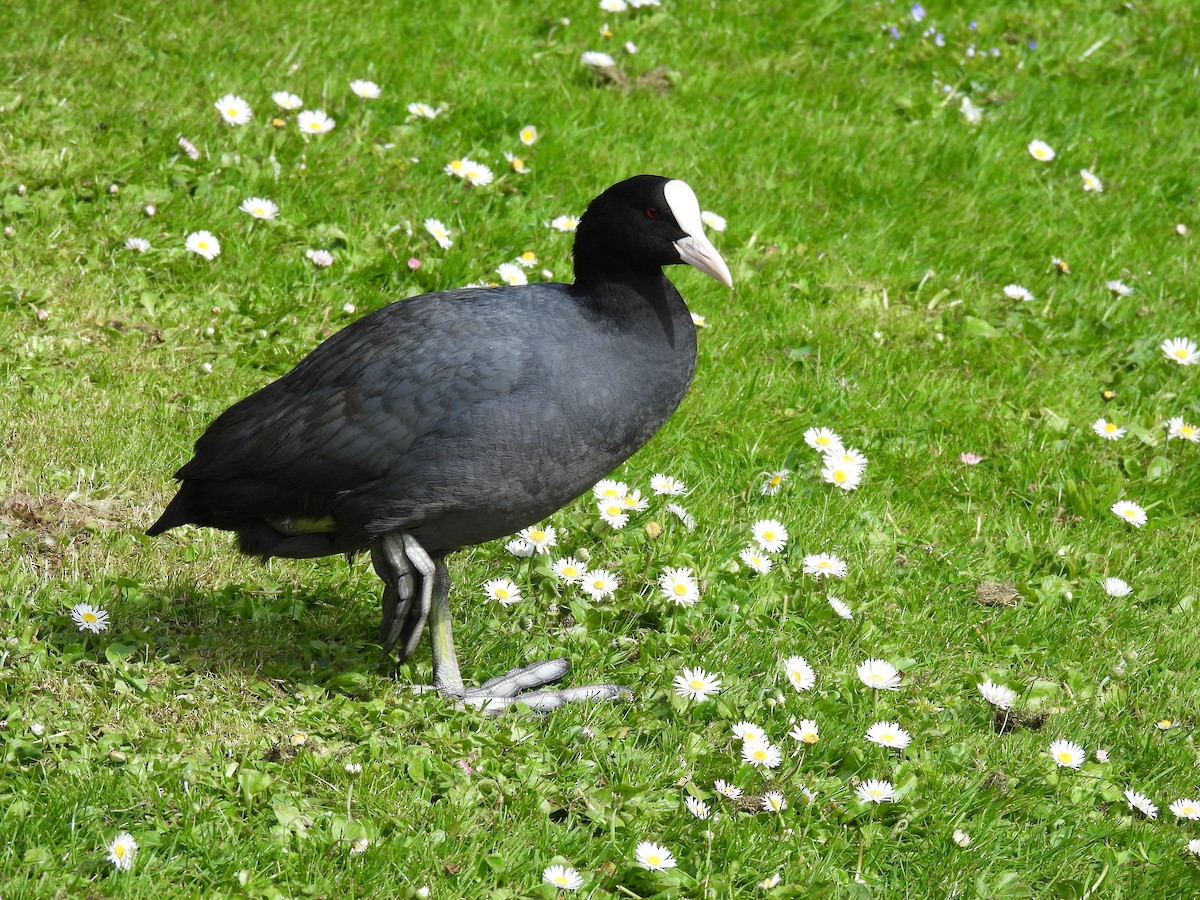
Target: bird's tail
(180,511)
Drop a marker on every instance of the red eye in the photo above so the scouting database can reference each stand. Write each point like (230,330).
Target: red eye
(651,212)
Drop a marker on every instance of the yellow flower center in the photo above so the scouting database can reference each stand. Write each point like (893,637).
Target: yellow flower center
(810,738)
(561,879)
(537,536)
(1064,756)
(759,754)
(680,589)
(654,859)
(119,851)
(1181,353)
(90,617)
(839,475)
(775,481)
(232,111)
(823,441)
(1110,427)
(501,594)
(768,535)
(696,684)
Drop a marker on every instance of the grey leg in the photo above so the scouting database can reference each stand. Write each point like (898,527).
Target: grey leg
(393,567)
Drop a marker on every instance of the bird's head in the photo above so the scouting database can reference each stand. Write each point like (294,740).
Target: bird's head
(645,222)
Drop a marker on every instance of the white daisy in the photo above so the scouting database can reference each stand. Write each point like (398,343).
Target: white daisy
(1041,151)
(840,607)
(654,857)
(824,565)
(1067,754)
(1091,182)
(607,489)
(314,121)
(510,273)
(234,109)
(700,321)
(889,734)
(1016,292)
(440,233)
(141,245)
(564,223)
(527,260)
(634,502)
(679,586)
(799,673)
(1181,350)
(204,244)
(122,851)
(322,259)
(879,675)
(1129,512)
(999,695)
(762,753)
(478,174)
(806,732)
(528,135)
(517,163)
(972,113)
(773,801)
(823,439)
(1118,288)
(367,90)
(613,6)
(698,808)
(89,618)
(505,592)
(755,561)
(1177,428)
(599,583)
(696,684)
(286,100)
(569,569)
(961,838)
(259,208)
(748,731)
(712,220)
(423,111)
(597,60)
(689,521)
(1110,431)
(667,485)
(731,791)
(190,149)
(613,514)
(1193,846)
(850,457)
(563,878)
(1116,587)
(875,791)
(770,534)
(542,537)
(845,477)
(1185,808)
(773,482)
(520,548)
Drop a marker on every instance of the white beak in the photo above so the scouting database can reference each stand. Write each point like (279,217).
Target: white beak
(696,250)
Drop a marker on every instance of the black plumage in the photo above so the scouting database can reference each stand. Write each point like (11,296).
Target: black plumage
(462,416)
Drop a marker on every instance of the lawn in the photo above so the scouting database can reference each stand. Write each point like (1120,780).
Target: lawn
(957,303)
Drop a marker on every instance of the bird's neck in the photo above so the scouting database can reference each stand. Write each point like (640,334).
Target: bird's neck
(635,299)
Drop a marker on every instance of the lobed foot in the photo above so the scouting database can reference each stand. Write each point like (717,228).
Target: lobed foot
(525,686)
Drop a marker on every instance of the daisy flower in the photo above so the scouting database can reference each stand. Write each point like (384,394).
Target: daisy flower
(520,548)
(141,245)
(999,695)
(875,791)
(510,273)
(613,6)
(1184,808)
(767,883)
(970,459)
(613,514)
(569,569)
(89,618)
(564,223)
(477,174)
(633,501)
(773,801)
(1091,182)
(528,135)
(187,147)
(823,439)
(879,675)
(423,111)
(1181,350)
(824,565)
(1016,292)
(972,113)
(688,520)
(322,259)
(806,732)
(563,878)
(1116,587)
(712,220)
(542,538)
(654,857)
(314,121)
(1041,151)
(773,482)
(839,607)
(517,163)
(122,851)
(233,109)
(667,485)
(286,100)
(440,233)
(799,673)
(1067,754)
(259,208)
(1130,512)
(698,808)
(762,753)
(527,260)
(696,684)
(839,475)
(1193,846)
(367,90)
(700,321)
(679,586)
(596,59)
(770,535)
(204,244)
(1110,431)
(889,734)
(1061,266)
(599,583)
(503,591)
(847,456)
(748,731)
(607,489)
(961,838)
(727,790)
(1118,288)
(755,561)
(1176,427)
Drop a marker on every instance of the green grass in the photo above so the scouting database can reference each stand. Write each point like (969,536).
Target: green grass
(871,232)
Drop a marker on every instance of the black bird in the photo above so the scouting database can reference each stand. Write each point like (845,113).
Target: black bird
(462,416)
